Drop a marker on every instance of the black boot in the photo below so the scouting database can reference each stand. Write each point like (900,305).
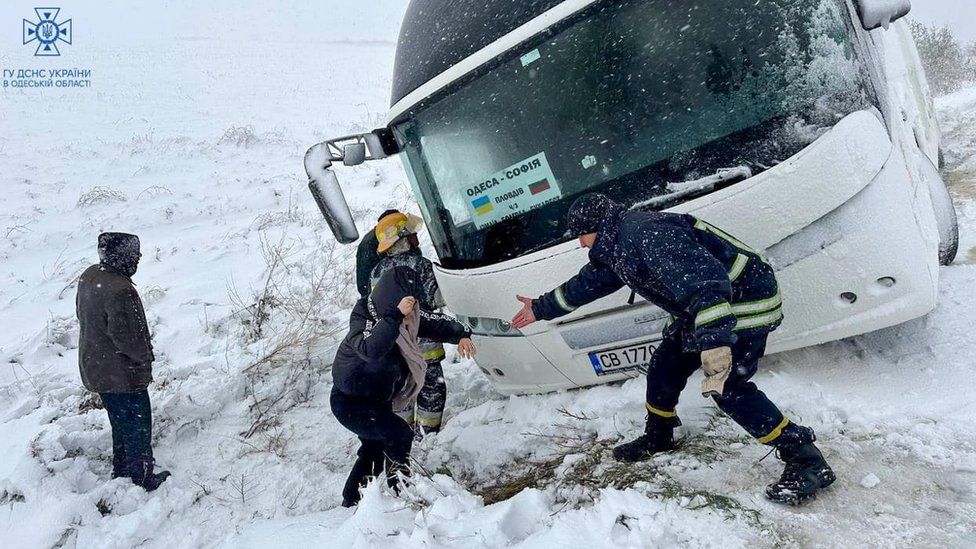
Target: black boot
(147,479)
(397,473)
(806,472)
(656,438)
(359,477)
(155,480)
(368,465)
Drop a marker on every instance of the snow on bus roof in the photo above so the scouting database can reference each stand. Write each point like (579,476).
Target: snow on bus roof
(437,34)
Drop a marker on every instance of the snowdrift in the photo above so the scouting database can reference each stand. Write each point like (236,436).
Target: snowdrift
(196,143)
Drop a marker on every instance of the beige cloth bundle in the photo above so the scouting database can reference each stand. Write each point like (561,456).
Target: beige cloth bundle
(410,349)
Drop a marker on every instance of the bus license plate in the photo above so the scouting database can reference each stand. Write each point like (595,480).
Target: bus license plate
(621,360)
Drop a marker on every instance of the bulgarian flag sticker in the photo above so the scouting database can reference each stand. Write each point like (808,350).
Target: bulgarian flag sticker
(540,186)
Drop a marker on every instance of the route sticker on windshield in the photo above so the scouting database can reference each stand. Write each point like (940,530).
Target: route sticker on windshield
(530,57)
(511,191)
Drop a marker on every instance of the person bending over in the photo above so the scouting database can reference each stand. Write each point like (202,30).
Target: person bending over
(379,368)
(724,301)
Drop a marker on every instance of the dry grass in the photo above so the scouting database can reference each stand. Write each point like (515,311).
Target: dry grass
(284,324)
(239,136)
(591,466)
(99,195)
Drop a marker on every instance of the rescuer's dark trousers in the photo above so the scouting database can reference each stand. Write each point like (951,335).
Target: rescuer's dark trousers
(131,418)
(432,397)
(670,369)
(385,441)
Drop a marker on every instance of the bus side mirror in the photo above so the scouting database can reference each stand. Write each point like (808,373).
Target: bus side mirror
(881,13)
(354,154)
(324,185)
(351,150)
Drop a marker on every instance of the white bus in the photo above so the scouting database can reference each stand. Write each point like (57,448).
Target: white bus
(802,127)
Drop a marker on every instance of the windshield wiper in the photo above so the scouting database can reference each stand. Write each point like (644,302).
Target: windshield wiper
(696,187)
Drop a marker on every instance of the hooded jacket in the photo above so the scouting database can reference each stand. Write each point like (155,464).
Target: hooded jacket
(715,287)
(368,363)
(429,295)
(366,260)
(115,353)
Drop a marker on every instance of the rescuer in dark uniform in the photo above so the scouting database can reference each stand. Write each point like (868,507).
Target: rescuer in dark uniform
(724,301)
(398,246)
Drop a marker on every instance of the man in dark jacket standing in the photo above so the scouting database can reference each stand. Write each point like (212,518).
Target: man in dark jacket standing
(378,367)
(724,301)
(115,355)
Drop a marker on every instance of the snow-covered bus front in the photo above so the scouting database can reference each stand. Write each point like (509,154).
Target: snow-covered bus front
(784,122)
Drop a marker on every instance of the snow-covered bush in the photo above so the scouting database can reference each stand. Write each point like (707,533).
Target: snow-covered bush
(949,63)
(100,194)
(239,136)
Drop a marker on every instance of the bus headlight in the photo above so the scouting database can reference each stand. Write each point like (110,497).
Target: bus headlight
(490,327)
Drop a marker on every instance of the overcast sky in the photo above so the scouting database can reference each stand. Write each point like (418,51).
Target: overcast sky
(958,14)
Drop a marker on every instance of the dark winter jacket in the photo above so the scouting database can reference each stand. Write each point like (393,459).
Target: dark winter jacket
(115,353)
(713,285)
(368,364)
(429,294)
(366,260)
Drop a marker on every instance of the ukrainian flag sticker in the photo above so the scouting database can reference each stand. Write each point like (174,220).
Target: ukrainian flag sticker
(482,205)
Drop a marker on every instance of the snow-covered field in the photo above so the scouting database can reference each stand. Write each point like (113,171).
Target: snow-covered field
(192,136)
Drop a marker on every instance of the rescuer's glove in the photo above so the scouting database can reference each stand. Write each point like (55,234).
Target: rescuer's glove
(717,364)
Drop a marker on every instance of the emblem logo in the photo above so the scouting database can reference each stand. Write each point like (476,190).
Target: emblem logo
(47,32)
(644,319)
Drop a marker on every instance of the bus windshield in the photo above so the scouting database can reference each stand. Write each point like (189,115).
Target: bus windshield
(623,99)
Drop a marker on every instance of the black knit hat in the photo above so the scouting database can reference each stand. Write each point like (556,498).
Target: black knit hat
(588,211)
(386,213)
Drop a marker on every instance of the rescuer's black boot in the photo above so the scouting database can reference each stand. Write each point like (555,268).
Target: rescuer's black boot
(806,472)
(656,438)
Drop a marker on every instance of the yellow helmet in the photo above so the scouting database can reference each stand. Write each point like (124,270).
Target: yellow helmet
(393,227)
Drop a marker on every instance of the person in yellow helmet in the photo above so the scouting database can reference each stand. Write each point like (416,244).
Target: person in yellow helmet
(398,246)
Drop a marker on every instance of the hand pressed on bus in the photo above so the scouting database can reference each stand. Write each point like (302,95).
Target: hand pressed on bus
(525,316)
(465,348)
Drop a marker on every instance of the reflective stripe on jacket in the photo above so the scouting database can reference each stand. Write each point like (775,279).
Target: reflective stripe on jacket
(713,285)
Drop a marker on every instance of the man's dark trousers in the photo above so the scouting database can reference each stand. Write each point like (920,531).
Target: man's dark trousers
(131,419)
(671,367)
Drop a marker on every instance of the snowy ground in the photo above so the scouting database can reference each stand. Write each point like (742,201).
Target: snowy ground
(195,143)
